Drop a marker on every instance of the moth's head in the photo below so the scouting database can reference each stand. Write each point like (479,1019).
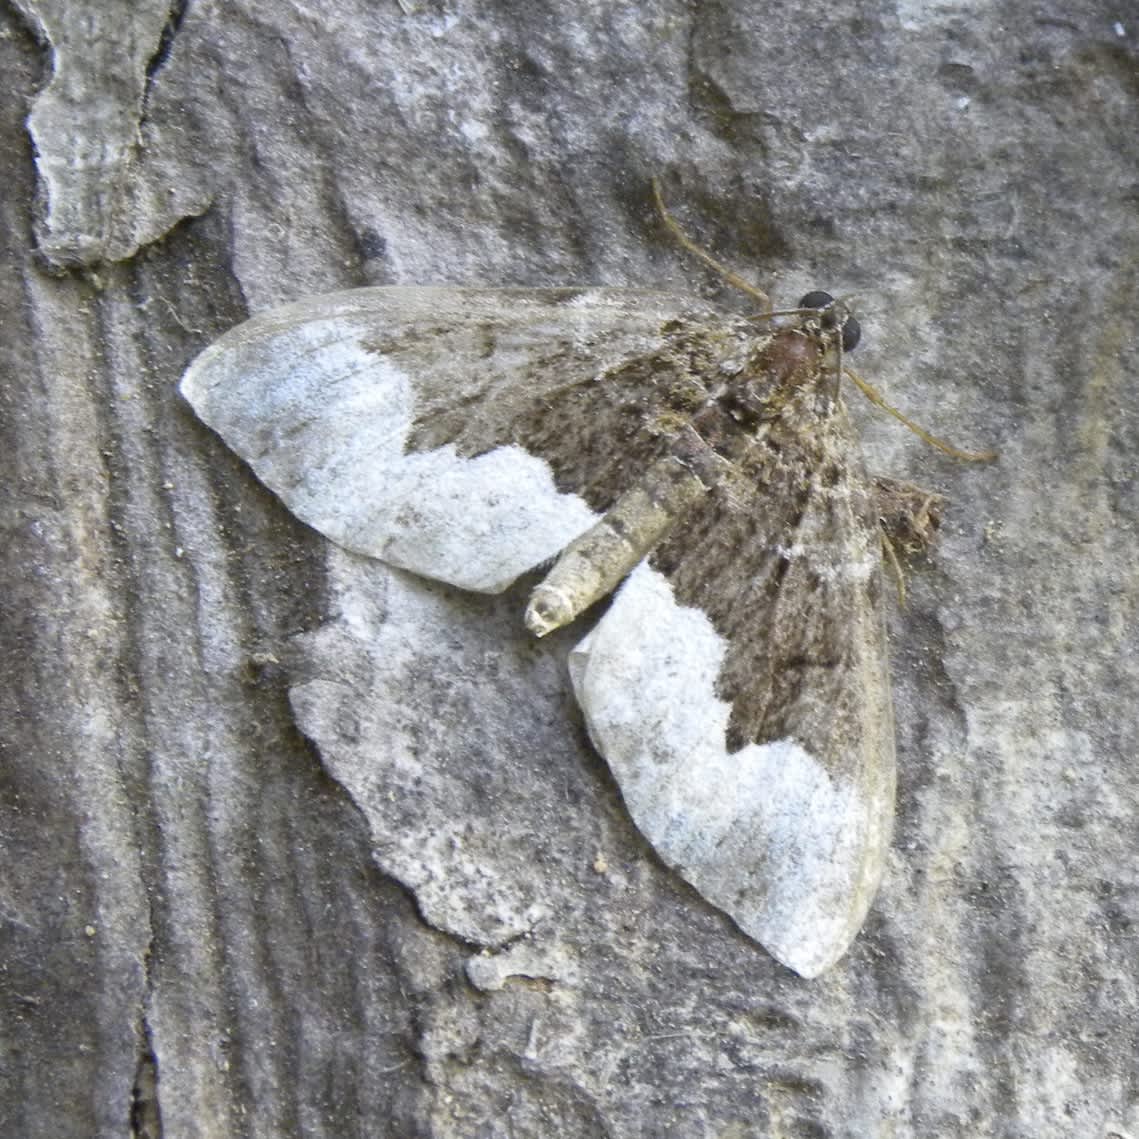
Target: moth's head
(832,315)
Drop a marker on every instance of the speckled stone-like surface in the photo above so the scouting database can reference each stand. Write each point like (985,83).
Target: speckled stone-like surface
(197,934)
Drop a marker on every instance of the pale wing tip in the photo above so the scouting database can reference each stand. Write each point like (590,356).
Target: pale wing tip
(809,956)
(809,924)
(195,382)
(812,913)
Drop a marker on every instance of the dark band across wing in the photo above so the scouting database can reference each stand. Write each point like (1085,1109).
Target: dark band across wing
(788,571)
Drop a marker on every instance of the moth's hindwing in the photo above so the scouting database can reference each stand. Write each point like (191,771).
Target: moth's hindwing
(737,684)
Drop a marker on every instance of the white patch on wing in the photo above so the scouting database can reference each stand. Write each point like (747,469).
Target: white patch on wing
(765,834)
(323,422)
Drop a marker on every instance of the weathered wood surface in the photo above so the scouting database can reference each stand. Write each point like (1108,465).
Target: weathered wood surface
(294,846)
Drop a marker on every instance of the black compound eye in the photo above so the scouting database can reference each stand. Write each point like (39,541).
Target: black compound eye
(817,299)
(830,311)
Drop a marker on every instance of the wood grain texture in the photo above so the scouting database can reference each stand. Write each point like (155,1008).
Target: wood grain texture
(207,918)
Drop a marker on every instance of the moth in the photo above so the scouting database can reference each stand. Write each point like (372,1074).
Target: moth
(695,469)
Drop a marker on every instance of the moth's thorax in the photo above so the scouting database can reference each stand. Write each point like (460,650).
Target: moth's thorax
(787,375)
(788,359)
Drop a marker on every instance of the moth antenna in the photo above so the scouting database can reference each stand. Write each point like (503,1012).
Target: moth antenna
(879,401)
(779,312)
(733,279)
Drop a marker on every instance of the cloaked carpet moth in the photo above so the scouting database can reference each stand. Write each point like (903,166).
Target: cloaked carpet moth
(699,465)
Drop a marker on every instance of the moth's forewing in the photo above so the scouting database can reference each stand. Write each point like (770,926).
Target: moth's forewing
(738,688)
(407,423)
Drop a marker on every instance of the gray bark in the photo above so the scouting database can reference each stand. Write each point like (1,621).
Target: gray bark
(221,916)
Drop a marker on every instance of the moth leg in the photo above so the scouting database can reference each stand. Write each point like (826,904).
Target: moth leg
(909,515)
(891,556)
(596,562)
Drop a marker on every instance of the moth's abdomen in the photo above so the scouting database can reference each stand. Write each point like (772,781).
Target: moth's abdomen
(594,564)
